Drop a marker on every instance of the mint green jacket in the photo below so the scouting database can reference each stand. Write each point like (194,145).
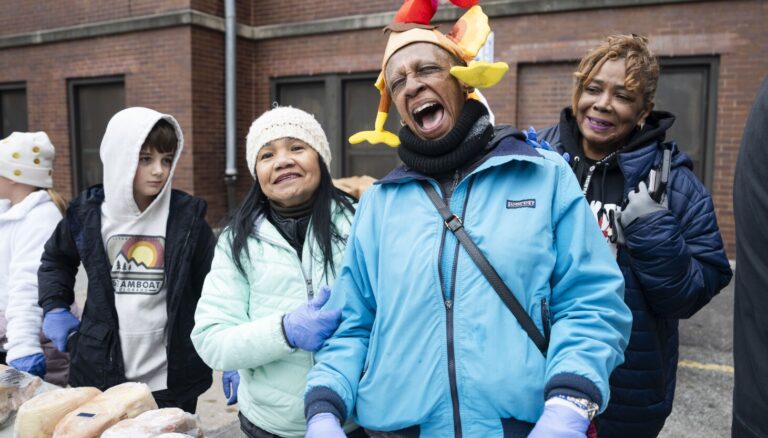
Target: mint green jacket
(238,321)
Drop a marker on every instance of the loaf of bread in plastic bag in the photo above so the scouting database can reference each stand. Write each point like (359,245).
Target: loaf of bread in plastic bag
(38,416)
(118,403)
(16,387)
(152,423)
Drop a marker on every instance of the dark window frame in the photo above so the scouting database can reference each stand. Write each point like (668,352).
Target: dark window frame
(712,67)
(333,97)
(336,115)
(73,111)
(347,154)
(14,86)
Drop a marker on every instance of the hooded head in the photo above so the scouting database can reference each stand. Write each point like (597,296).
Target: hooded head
(133,137)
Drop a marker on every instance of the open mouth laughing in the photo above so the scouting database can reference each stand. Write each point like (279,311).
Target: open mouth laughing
(428,116)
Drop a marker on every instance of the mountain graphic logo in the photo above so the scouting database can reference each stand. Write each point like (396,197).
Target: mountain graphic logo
(138,263)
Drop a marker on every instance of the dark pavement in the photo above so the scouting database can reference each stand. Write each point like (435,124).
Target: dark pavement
(705,374)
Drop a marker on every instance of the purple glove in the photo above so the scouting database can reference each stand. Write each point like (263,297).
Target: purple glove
(57,325)
(308,327)
(230,379)
(324,425)
(32,364)
(561,422)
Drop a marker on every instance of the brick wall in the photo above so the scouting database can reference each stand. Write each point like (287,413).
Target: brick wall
(291,11)
(27,16)
(209,118)
(157,75)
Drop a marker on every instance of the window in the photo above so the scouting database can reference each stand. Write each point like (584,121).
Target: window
(92,102)
(688,89)
(344,105)
(13,109)
(361,99)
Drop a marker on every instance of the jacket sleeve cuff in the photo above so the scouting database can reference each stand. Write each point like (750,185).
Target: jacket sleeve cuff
(321,399)
(54,303)
(573,385)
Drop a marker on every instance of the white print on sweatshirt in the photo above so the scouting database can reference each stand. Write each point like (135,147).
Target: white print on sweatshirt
(602,215)
(138,264)
(135,245)
(24,229)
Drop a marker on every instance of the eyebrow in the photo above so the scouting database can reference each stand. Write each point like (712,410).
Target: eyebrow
(601,82)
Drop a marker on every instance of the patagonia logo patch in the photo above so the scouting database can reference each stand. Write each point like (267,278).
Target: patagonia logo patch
(525,203)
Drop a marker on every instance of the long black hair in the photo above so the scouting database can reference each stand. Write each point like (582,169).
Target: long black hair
(325,232)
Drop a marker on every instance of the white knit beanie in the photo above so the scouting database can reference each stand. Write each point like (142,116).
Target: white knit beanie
(282,122)
(27,158)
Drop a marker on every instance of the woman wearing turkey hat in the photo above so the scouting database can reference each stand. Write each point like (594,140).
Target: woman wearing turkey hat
(426,347)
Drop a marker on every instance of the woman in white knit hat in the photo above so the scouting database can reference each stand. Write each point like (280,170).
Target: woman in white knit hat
(265,305)
(29,212)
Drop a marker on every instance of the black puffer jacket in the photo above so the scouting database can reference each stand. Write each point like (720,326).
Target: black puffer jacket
(96,357)
(673,263)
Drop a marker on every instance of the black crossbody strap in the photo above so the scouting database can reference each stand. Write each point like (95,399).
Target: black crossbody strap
(453,223)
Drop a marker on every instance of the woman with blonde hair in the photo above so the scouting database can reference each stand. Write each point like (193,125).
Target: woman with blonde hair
(29,212)
(656,215)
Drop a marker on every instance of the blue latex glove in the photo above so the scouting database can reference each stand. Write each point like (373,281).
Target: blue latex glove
(57,325)
(230,379)
(531,137)
(561,422)
(32,364)
(308,326)
(324,425)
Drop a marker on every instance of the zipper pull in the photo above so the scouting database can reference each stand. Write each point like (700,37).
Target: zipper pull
(455,181)
(310,291)
(449,304)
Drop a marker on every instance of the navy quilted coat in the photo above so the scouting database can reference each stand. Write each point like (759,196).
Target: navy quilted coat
(673,263)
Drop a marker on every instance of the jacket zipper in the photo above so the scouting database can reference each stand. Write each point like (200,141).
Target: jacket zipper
(307,280)
(448,299)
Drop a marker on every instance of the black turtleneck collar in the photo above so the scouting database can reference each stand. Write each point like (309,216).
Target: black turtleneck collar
(292,222)
(295,212)
(465,142)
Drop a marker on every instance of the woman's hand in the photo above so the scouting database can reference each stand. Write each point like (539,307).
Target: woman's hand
(324,425)
(231,381)
(309,326)
(560,421)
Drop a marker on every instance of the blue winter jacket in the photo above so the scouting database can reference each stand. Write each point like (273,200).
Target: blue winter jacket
(425,343)
(673,264)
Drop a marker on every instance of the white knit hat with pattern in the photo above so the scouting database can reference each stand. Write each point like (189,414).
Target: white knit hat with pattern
(282,122)
(27,158)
